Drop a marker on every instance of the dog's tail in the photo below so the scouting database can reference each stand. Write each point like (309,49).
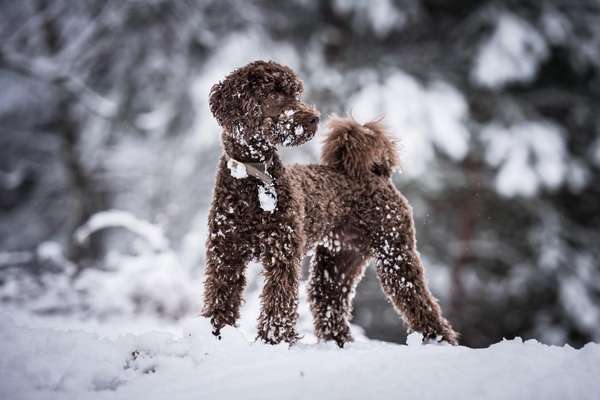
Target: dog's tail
(359,150)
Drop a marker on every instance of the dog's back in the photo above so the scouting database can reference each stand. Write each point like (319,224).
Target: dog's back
(357,162)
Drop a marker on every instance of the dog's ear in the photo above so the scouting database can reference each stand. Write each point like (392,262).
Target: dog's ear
(234,106)
(216,102)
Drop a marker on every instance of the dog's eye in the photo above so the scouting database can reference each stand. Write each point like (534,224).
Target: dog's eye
(380,170)
(277,97)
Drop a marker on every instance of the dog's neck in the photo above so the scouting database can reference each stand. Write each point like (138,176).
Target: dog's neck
(258,157)
(244,169)
(256,149)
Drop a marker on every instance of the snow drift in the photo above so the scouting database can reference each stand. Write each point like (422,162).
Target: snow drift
(189,363)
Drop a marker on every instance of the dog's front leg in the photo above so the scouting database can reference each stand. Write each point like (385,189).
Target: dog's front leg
(224,280)
(279,298)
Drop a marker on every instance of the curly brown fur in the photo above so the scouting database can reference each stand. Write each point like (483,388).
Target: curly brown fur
(359,150)
(259,108)
(346,208)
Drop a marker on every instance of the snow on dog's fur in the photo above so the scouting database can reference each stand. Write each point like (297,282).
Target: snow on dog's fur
(346,208)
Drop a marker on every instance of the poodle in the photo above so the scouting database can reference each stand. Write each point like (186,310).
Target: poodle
(345,208)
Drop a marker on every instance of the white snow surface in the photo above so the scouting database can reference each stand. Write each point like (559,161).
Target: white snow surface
(187,362)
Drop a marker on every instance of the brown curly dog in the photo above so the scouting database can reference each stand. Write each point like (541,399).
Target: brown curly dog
(346,208)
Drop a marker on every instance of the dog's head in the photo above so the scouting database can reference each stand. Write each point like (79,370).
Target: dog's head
(263,98)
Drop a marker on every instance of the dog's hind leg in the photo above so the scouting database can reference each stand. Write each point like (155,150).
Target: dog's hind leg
(401,273)
(334,275)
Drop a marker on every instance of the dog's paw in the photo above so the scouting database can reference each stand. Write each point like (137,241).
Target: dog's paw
(339,339)
(272,331)
(276,337)
(216,322)
(449,336)
(217,333)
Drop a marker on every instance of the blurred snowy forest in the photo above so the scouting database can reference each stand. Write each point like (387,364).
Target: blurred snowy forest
(108,150)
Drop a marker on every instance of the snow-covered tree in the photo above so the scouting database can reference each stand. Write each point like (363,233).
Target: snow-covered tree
(104,106)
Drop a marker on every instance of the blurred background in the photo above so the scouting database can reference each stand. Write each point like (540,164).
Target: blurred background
(108,151)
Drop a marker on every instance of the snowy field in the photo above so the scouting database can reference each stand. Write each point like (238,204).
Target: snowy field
(185,361)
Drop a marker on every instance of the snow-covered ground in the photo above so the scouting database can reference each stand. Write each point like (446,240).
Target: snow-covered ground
(127,331)
(184,361)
